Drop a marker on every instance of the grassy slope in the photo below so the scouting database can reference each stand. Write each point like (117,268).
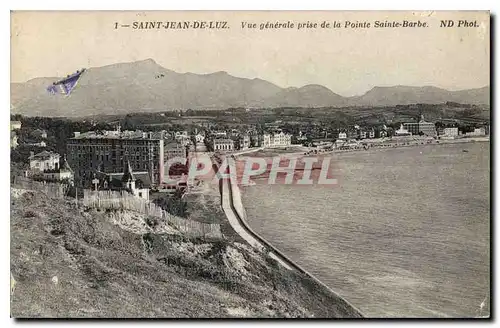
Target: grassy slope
(106,270)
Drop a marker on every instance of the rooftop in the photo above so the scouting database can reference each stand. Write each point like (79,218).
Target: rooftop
(118,135)
(44,155)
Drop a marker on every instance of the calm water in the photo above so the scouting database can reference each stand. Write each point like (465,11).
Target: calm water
(405,233)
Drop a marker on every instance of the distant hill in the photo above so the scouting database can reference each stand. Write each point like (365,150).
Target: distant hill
(405,95)
(145,86)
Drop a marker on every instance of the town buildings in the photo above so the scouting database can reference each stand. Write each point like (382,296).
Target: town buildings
(421,127)
(199,138)
(402,131)
(242,141)
(137,183)
(367,134)
(39,134)
(450,132)
(43,161)
(382,133)
(478,132)
(13,140)
(15,125)
(40,144)
(174,149)
(62,173)
(109,151)
(276,139)
(223,144)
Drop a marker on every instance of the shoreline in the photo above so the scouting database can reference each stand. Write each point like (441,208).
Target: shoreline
(306,151)
(234,209)
(261,215)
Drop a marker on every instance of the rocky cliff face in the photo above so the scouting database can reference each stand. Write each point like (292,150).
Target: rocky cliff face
(75,262)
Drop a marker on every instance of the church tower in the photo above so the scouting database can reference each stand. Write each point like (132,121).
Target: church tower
(128,179)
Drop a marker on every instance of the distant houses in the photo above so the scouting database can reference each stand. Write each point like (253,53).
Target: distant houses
(138,183)
(15,125)
(478,132)
(45,160)
(13,140)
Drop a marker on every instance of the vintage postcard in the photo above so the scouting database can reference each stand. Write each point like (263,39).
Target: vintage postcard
(250,164)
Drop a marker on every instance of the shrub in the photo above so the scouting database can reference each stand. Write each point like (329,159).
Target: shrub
(30,214)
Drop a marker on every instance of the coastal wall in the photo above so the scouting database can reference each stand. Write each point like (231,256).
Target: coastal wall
(236,214)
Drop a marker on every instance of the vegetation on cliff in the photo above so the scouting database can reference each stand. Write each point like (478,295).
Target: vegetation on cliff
(75,262)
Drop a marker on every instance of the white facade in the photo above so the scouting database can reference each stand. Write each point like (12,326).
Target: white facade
(13,140)
(223,144)
(450,132)
(280,139)
(44,161)
(245,142)
(199,138)
(478,132)
(58,175)
(402,131)
(15,125)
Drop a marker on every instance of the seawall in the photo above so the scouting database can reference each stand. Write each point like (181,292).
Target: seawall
(236,214)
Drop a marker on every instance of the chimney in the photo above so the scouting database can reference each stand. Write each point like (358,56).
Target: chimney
(77,134)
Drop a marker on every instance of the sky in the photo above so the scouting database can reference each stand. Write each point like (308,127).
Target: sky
(349,61)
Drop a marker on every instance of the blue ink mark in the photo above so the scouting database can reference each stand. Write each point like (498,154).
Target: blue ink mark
(66,85)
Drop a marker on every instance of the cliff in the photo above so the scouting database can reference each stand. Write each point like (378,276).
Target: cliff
(75,262)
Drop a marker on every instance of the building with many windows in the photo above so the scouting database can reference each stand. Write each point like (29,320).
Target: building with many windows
(402,131)
(242,141)
(223,144)
(15,125)
(421,127)
(109,151)
(62,173)
(367,134)
(43,161)
(174,149)
(276,139)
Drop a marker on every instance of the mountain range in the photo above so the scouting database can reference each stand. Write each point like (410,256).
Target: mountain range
(144,86)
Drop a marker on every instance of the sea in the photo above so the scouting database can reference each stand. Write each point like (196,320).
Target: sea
(405,232)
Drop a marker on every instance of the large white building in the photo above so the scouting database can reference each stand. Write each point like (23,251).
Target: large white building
(46,160)
(402,131)
(223,144)
(450,132)
(64,172)
(478,132)
(15,125)
(277,139)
